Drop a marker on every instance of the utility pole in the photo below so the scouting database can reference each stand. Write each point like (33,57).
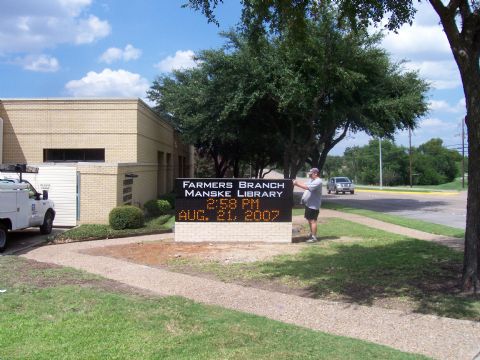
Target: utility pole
(380,152)
(463,152)
(410,153)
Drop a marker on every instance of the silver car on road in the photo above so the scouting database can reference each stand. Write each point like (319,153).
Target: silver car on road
(340,184)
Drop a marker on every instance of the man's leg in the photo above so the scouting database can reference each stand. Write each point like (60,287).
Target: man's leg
(313,227)
(313,230)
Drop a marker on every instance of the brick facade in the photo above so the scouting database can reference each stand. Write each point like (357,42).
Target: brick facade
(273,232)
(136,141)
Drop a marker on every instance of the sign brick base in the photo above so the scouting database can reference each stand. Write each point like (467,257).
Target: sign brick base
(273,232)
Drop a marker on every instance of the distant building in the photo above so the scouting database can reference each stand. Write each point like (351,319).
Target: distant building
(93,154)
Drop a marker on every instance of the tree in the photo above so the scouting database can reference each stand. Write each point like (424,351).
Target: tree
(278,101)
(435,164)
(460,20)
(363,163)
(206,105)
(334,165)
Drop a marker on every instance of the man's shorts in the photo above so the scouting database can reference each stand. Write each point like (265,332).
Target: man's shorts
(311,214)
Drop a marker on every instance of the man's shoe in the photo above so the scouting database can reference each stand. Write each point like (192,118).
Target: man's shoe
(312,239)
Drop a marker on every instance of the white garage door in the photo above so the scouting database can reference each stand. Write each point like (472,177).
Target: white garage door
(62,189)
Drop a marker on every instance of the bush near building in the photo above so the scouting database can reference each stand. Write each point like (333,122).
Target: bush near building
(157,207)
(126,217)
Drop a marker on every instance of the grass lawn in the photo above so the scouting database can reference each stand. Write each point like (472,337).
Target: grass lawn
(397,220)
(58,313)
(358,264)
(395,188)
(454,185)
(162,223)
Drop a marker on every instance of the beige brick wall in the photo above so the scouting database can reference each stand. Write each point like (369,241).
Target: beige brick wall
(33,125)
(156,136)
(101,189)
(144,186)
(274,232)
(153,136)
(98,192)
(129,131)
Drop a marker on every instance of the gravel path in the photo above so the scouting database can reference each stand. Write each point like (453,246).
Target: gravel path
(437,337)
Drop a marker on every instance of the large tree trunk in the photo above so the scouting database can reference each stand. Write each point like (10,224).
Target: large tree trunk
(465,45)
(471,261)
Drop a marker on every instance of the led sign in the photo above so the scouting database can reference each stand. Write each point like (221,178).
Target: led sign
(233,200)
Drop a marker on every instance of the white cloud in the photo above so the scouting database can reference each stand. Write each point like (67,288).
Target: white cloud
(88,30)
(435,128)
(109,83)
(441,74)
(74,7)
(444,106)
(439,105)
(181,60)
(433,123)
(131,53)
(418,40)
(425,45)
(40,63)
(114,54)
(447,130)
(111,54)
(30,26)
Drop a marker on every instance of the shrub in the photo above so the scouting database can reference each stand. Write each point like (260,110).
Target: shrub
(170,197)
(157,207)
(126,217)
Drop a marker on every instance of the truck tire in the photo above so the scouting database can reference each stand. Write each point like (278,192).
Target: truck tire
(3,237)
(352,192)
(329,191)
(46,227)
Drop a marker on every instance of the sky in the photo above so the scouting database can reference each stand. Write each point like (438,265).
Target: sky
(116,48)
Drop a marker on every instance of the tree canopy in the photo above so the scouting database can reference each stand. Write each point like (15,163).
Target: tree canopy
(432,163)
(281,102)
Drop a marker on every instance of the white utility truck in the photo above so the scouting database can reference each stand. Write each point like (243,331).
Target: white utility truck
(21,206)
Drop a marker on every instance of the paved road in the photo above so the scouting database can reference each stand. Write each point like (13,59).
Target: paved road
(18,241)
(445,209)
(439,208)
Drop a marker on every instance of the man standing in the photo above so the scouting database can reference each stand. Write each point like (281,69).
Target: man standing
(312,199)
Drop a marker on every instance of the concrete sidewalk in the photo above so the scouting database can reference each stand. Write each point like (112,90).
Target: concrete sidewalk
(437,337)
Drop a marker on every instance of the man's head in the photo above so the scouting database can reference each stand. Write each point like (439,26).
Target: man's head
(313,173)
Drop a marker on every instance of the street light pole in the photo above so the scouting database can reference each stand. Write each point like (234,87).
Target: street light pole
(380,152)
(410,153)
(463,152)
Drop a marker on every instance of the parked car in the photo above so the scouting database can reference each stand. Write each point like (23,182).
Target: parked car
(340,184)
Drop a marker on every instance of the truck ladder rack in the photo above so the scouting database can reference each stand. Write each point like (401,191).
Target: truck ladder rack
(19,169)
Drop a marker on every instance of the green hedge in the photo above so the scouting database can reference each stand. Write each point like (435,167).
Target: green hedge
(157,207)
(170,197)
(126,217)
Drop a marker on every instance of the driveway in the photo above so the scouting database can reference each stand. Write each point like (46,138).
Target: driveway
(19,241)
